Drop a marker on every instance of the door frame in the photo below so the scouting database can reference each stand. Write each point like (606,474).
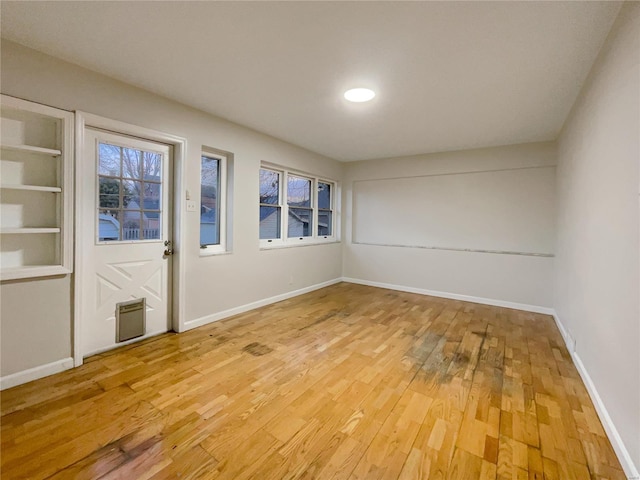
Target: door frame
(88,120)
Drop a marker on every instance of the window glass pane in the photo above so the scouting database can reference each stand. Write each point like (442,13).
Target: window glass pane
(132,195)
(109,192)
(109,201)
(298,191)
(324,195)
(131,163)
(152,166)
(109,186)
(151,225)
(109,225)
(131,225)
(151,197)
(209,211)
(325,223)
(269,187)
(109,160)
(269,222)
(208,232)
(300,222)
(210,167)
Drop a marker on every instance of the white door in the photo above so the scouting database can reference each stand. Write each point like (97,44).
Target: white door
(126,234)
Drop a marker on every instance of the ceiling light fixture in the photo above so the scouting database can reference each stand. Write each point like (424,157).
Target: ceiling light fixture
(359,94)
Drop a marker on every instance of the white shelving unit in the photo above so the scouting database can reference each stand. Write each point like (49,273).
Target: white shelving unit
(33,188)
(36,191)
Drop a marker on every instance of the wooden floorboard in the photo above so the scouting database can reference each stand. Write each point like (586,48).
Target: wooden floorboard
(347,382)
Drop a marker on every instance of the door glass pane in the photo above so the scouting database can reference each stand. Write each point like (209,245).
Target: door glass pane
(131,195)
(151,225)
(110,201)
(129,199)
(298,191)
(109,192)
(109,225)
(269,187)
(131,225)
(152,166)
(109,160)
(151,198)
(131,163)
(300,222)
(269,222)
(109,186)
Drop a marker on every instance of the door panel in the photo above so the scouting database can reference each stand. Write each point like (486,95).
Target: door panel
(126,220)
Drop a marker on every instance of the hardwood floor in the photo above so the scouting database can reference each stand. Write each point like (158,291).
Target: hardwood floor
(348,382)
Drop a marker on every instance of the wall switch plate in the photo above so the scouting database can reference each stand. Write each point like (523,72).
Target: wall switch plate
(192,206)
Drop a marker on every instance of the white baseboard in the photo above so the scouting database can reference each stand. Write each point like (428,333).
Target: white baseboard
(198,322)
(568,339)
(630,470)
(35,373)
(454,296)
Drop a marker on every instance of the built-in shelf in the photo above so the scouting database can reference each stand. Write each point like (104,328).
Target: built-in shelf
(36,142)
(27,230)
(31,149)
(29,271)
(33,188)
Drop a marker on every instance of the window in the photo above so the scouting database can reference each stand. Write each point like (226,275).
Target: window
(129,194)
(295,208)
(300,221)
(213,202)
(325,209)
(270,208)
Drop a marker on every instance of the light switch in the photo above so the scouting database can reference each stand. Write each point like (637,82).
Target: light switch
(192,206)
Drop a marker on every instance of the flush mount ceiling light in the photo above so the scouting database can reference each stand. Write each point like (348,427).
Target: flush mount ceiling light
(359,94)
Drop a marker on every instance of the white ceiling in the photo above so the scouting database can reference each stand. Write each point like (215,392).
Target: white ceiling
(448,75)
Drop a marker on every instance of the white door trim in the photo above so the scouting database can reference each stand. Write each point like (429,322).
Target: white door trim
(85,120)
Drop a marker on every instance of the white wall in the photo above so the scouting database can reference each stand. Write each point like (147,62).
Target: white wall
(505,210)
(214,284)
(597,277)
(480,177)
(36,322)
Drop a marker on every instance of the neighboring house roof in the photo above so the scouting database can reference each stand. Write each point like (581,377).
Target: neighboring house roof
(264,214)
(151,204)
(148,204)
(109,218)
(267,212)
(297,217)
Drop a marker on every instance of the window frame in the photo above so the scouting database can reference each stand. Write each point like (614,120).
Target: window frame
(121,209)
(283,203)
(311,208)
(331,209)
(278,205)
(221,246)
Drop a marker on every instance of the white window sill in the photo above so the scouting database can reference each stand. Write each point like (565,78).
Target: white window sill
(210,252)
(275,246)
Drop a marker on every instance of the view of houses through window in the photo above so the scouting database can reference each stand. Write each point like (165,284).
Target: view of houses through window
(270,209)
(129,194)
(303,216)
(300,222)
(325,209)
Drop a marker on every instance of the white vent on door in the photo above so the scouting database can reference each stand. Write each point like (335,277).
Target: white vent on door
(130,319)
